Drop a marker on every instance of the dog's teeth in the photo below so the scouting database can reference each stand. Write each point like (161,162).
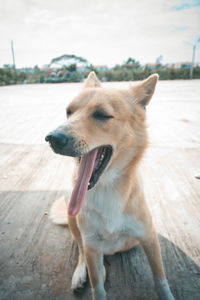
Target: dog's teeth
(88,183)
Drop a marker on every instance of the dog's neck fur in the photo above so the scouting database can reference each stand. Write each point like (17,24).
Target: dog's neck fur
(106,206)
(120,178)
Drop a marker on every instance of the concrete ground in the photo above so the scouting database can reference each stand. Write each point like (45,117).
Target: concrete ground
(37,258)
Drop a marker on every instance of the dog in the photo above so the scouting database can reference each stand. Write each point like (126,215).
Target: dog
(107,213)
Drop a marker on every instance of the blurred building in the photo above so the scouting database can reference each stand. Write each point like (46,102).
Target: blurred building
(100,67)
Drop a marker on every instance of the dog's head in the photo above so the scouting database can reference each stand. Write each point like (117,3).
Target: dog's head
(104,125)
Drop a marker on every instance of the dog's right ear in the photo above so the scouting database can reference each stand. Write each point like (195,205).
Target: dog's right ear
(92,81)
(143,91)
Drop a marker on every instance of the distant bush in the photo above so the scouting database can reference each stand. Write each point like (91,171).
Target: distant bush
(9,76)
(131,75)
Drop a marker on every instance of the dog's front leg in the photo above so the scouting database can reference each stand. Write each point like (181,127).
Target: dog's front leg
(152,249)
(94,261)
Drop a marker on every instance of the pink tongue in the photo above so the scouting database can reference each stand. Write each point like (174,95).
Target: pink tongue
(80,189)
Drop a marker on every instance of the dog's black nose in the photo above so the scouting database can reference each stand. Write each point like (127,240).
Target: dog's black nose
(56,138)
(47,138)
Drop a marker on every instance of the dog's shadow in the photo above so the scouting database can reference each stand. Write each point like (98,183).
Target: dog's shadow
(38,259)
(129,275)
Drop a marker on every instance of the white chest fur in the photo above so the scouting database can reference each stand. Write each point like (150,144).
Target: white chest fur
(105,227)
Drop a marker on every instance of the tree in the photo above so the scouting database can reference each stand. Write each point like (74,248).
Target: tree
(72,68)
(159,59)
(68,59)
(131,63)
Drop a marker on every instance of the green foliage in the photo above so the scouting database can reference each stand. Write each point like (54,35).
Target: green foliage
(9,76)
(131,63)
(130,75)
(72,68)
(67,77)
(61,59)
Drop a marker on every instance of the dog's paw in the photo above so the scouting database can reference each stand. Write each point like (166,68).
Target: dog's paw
(79,277)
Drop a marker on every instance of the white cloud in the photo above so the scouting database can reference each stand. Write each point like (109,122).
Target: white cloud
(104,32)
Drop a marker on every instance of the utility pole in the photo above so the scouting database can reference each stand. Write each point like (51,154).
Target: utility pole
(193,60)
(13,55)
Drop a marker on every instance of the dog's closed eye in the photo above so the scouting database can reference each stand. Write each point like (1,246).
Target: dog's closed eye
(101,115)
(68,111)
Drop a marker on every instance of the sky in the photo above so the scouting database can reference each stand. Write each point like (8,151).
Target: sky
(105,32)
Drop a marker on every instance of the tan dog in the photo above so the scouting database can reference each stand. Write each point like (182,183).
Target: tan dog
(107,212)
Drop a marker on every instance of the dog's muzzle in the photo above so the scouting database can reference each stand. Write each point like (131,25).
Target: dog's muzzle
(58,139)
(64,143)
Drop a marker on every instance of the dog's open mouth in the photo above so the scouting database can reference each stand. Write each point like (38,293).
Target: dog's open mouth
(91,167)
(102,159)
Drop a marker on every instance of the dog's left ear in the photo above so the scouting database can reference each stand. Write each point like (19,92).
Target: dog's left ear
(144,91)
(92,81)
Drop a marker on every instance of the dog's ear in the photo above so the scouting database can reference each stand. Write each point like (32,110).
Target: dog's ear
(144,90)
(92,81)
